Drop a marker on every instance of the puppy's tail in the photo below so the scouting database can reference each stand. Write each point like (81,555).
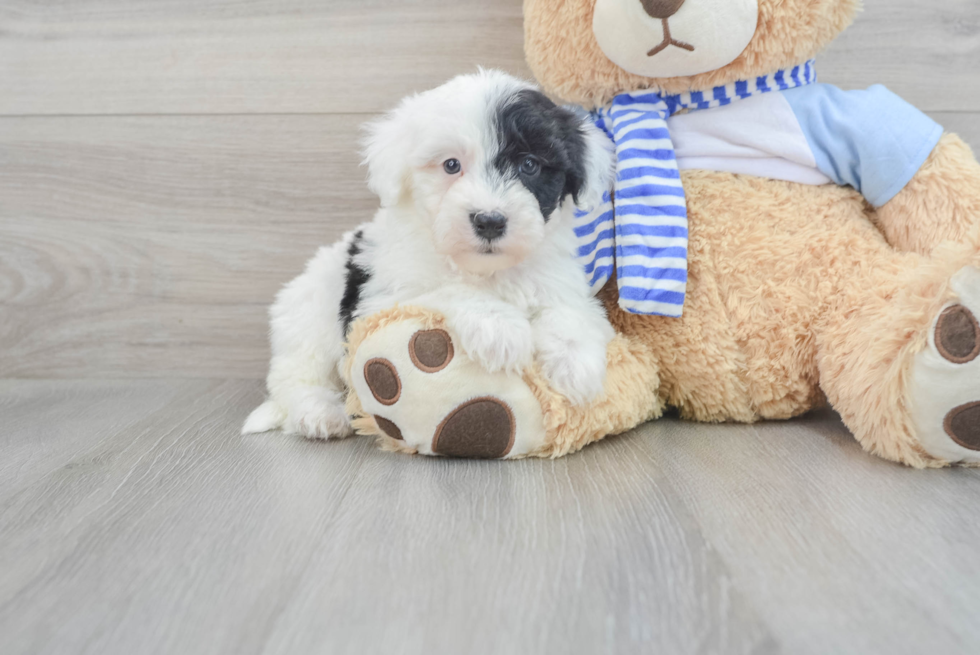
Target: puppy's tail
(267,416)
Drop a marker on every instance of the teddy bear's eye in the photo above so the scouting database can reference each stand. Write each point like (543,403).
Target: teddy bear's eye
(530,166)
(452,166)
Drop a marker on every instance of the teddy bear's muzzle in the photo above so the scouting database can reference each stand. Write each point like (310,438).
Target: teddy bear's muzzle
(673,38)
(664,9)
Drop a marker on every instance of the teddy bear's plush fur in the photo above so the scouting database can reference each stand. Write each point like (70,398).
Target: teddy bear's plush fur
(797,295)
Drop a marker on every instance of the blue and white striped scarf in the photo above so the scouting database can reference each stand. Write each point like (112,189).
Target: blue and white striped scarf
(644,234)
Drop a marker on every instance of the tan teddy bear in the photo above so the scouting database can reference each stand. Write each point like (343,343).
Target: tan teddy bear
(832,248)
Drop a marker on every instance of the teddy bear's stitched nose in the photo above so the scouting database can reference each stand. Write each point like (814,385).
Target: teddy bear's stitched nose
(662,8)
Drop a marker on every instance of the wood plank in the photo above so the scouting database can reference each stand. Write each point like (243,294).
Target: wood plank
(966,124)
(152,246)
(588,554)
(48,426)
(172,534)
(262,56)
(839,551)
(120,56)
(168,535)
(926,53)
(167,532)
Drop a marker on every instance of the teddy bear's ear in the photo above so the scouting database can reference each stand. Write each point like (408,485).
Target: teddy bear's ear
(388,144)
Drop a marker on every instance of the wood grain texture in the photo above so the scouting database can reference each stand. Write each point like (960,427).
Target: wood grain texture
(289,56)
(834,547)
(157,529)
(152,245)
(924,52)
(244,56)
(134,519)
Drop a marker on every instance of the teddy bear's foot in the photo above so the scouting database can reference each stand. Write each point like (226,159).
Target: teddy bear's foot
(424,395)
(945,384)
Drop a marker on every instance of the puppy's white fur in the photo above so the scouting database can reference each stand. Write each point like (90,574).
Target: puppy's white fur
(520,297)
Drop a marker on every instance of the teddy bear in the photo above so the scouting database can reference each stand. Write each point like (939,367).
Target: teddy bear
(771,245)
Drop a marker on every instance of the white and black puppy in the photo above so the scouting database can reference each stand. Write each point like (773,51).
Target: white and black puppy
(478,181)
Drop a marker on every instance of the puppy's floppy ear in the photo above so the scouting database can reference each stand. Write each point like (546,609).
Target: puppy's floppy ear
(387,148)
(593,161)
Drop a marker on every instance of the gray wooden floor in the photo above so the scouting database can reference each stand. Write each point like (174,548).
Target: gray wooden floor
(164,167)
(134,519)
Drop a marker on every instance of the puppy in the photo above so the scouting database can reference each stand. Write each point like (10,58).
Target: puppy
(478,181)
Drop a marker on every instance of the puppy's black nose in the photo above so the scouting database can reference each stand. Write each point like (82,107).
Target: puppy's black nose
(489,225)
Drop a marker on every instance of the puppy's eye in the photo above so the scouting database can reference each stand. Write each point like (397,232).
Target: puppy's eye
(530,166)
(452,166)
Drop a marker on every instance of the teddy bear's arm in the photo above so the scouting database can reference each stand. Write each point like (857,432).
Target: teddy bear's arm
(940,204)
(871,140)
(924,185)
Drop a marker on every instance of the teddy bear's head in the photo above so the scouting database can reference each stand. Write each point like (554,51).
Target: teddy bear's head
(587,51)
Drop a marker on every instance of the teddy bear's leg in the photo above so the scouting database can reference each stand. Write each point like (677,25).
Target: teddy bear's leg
(411,384)
(898,357)
(944,384)
(941,203)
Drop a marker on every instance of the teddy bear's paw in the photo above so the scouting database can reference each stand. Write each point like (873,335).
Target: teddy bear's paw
(427,396)
(945,384)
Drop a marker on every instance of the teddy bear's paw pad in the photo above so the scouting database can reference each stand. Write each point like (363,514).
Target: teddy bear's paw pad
(945,377)
(431,398)
(958,335)
(963,425)
(482,428)
(431,350)
(389,428)
(382,380)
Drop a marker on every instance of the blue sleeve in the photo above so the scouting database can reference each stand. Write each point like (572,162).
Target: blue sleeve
(871,140)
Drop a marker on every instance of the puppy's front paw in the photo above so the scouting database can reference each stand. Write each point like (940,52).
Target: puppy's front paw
(575,370)
(317,413)
(498,342)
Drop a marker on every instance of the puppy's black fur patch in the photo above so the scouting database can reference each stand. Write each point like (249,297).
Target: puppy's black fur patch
(355,278)
(528,123)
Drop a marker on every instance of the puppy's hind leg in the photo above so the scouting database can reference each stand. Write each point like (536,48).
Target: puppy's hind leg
(306,393)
